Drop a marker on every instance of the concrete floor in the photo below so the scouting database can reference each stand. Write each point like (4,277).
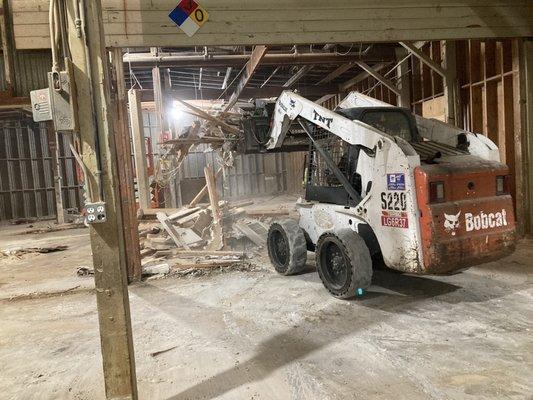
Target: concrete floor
(258,335)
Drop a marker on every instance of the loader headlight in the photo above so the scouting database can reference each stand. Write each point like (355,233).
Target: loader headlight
(502,184)
(436,192)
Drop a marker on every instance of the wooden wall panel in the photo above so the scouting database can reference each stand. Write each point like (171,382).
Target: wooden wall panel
(131,23)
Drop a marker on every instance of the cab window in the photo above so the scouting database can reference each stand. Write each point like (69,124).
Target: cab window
(391,122)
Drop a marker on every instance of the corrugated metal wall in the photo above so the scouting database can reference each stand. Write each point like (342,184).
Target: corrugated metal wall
(26,174)
(31,69)
(252,175)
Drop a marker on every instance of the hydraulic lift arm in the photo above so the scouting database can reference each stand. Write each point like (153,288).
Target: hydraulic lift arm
(290,106)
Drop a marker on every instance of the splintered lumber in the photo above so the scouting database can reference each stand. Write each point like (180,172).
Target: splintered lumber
(208,253)
(211,118)
(206,265)
(189,141)
(250,233)
(183,213)
(242,203)
(188,218)
(217,241)
(265,212)
(203,191)
(146,213)
(171,230)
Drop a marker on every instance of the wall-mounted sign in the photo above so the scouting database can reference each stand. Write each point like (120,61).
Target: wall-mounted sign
(189,16)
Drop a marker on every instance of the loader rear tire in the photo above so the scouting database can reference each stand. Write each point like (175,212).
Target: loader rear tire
(287,247)
(344,263)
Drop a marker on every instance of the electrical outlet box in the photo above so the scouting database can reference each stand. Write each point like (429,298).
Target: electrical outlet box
(57,103)
(96,212)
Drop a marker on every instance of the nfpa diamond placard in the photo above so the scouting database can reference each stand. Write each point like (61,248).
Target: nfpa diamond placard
(189,16)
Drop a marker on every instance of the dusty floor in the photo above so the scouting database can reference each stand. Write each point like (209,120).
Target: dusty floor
(258,335)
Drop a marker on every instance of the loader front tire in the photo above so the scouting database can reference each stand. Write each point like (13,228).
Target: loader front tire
(287,247)
(344,263)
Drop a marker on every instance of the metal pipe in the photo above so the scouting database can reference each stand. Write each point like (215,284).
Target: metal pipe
(223,60)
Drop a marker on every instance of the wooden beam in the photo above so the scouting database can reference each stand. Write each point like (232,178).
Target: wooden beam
(336,73)
(270,77)
(424,58)
(404,79)
(125,172)
(203,191)
(209,117)
(452,92)
(526,121)
(217,241)
(226,78)
(298,75)
(8,47)
(255,58)
(91,75)
(247,93)
(139,149)
(324,98)
(171,230)
(385,81)
(522,53)
(360,77)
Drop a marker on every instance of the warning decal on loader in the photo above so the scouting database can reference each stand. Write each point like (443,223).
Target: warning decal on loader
(396,181)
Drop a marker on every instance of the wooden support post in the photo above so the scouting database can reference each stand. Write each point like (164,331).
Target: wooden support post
(218,236)
(526,104)
(404,80)
(91,76)
(202,191)
(451,84)
(125,172)
(523,133)
(139,149)
(8,48)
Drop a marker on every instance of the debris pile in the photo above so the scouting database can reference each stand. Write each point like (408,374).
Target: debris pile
(196,240)
(20,251)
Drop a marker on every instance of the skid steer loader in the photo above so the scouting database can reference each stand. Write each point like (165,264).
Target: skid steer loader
(430,198)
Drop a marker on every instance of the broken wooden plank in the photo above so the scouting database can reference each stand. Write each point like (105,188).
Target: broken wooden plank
(171,230)
(143,213)
(210,264)
(242,203)
(203,191)
(217,241)
(255,58)
(188,218)
(209,117)
(183,213)
(209,253)
(250,233)
(266,212)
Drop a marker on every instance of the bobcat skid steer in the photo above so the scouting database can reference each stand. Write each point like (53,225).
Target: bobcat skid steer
(432,199)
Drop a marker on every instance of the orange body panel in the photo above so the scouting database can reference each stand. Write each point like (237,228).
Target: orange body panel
(472,224)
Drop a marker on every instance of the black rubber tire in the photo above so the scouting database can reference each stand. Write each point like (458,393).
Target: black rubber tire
(287,247)
(343,263)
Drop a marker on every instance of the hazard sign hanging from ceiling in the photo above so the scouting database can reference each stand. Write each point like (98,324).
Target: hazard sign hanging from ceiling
(189,16)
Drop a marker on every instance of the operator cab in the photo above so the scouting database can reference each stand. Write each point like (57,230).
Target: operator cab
(394,121)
